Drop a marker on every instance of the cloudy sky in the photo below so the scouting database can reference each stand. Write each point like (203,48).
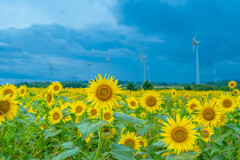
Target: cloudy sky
(65,34)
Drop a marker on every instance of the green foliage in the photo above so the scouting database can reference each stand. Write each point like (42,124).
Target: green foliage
(66,154)
(188,87)
(145,129)
(201,87)
(131,86)
(87,127)
(147,85)
(121,152)
(124,117)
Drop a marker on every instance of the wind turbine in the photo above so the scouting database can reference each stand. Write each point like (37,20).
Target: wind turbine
(88,65)
(215,78)
(148,69)
(51,70)
(195,43)
(108,64)
(143,59)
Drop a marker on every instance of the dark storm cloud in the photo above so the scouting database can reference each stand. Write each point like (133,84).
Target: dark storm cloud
(215,23)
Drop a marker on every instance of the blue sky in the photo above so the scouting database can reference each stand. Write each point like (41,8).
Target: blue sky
(67,34)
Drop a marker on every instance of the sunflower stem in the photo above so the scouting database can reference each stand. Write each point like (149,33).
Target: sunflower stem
(99,143)
(100,137)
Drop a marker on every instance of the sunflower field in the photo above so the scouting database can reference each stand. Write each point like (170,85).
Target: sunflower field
(106,122)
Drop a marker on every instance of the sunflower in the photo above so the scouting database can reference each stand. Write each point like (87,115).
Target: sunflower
(78,108)
(192,105)
(55,116)
(93,112)
(227,103)
(49,98)
(103,92)
(143,115)
(67,118)
(206,133)
(179,135)
(143,142)
(8,89)
(235,91)
(196,149)
(232,84)
(150,101)
(130,139)
(108,115)
(132,103)
(109,133)
(222,120)
(43,126)
(77,120)
(56,87)
(22,90)
(173,93)
(87,140)
(208,114)
(8,108)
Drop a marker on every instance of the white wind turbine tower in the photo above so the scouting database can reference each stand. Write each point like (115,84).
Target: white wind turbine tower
(215,78)
(51,70)
(143,59)
(108,64)
(195,43)
(148,69)
(88,65)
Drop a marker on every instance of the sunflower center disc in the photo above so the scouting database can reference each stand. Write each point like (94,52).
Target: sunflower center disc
(179,134)
(104,92)
(107,116)
(227,103)
(93,112)
(151,101)
(130,143)
(105,130)
(56,87)
(141,142)
(208,114)
(49,97)
(4,107)
(22,91)
(56,116)
(193,106)
(133,103)
(8,91)
(79,109)
(205,133)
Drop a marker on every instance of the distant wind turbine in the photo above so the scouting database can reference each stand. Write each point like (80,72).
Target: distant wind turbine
(215,78)
(108,64)
(148,69)
(195,43)
(143,59)
(88,65)
(51,70)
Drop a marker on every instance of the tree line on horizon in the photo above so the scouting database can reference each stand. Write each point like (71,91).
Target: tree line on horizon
(223,85)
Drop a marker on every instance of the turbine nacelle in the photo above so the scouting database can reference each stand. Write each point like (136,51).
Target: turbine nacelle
(107,60)
(88,63)
(143,57)
(194,42)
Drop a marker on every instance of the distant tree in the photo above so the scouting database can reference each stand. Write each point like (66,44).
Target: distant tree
(188,87)
(131,86)
(147,85)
